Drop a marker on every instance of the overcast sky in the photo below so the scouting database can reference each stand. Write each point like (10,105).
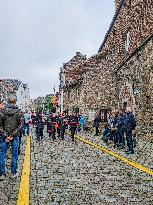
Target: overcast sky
(38,36)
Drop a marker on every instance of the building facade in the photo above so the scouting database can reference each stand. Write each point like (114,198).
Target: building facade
(23,96)
(121,73)
(18,88)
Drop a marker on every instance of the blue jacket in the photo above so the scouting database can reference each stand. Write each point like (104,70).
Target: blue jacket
(82,121)
(97,121)
(120,120)
(129,121)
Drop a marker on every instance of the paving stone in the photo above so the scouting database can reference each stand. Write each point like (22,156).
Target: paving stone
(78,174)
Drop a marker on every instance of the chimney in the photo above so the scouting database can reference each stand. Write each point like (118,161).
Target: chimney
(117,3)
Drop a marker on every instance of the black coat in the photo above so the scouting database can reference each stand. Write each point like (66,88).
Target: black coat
(97,121)
(129,122)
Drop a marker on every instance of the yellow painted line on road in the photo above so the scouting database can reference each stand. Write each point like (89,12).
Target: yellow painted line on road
(125,160)
(24,191)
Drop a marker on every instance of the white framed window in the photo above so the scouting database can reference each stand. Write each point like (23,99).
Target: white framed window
(127,41)
(91,115)
(77,92)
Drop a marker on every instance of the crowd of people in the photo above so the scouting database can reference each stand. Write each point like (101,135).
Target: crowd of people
(14,124)
(57,124)
(120,129)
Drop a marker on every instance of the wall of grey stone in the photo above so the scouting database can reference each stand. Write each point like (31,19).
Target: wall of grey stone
(138,72)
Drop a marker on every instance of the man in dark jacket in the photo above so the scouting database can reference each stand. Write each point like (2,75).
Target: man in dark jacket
(97,121)
(129,125)
(39,126)
(73,123)
(10,118)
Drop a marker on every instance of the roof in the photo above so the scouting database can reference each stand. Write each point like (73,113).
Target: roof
(111,26)
(75,60)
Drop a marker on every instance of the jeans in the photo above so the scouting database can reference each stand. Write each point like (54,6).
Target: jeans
(3,152)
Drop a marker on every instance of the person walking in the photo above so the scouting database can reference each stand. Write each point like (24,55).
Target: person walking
(49,126)
(73,123)
(129,126)
(54,126)
(10,123)
(39,126)
(97,121)
(27,120)
(33,117)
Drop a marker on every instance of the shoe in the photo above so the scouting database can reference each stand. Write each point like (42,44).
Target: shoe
(2,177)
(14,176)
(129,152)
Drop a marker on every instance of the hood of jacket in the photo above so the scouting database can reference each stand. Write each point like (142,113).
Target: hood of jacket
(10,109)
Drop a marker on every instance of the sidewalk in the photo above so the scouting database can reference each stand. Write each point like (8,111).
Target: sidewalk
(9,187)
(143,151)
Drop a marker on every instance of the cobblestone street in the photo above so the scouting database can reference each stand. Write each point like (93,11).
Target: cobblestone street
(76,102)
(70,173)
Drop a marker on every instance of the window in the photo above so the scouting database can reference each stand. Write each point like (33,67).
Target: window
(77,92)
(91,115)
(127,41)
(104,113)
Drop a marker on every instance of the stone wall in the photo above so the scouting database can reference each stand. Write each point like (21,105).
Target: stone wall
(118,75)
(132,24)
(134,83)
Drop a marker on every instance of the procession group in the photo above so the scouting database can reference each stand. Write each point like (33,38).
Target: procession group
(56,124)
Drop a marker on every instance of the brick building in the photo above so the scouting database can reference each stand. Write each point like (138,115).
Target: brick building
(121,73)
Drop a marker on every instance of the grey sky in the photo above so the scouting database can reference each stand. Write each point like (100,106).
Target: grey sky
(38,36)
